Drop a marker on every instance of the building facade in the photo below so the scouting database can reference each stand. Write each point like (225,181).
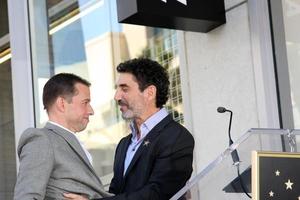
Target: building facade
(248,65)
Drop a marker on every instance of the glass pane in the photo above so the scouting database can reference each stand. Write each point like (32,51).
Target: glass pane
(291,12)
(221,179)
(84,37)
(7,137)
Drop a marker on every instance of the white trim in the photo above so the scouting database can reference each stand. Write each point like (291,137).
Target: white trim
(265,82)
(20,67)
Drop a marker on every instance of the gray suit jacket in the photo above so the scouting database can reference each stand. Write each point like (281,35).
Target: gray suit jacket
(52,162)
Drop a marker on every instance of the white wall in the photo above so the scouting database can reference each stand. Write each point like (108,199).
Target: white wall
(217,70)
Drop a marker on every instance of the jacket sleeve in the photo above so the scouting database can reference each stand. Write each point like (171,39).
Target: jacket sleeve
(172,168)
(36,163)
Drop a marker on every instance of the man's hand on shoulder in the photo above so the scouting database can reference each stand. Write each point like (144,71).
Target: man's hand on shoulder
(70,196)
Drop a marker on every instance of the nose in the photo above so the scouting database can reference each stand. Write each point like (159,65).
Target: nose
(117,96)
(91,110)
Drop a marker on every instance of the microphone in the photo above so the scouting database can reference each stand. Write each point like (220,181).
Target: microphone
(222,109)
(234,154)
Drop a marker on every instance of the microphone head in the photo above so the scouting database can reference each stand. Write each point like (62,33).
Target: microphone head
(221,109)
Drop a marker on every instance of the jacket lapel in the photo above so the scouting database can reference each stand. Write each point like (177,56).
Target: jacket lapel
(71,139)
(122,157)
(147,142)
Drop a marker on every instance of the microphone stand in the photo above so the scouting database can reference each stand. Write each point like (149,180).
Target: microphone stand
(234,153)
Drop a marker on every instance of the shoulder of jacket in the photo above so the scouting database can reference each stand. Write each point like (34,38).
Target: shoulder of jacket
(34,133)
(177,129)
(33,136)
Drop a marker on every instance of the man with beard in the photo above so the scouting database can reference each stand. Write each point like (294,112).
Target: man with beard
(155,160)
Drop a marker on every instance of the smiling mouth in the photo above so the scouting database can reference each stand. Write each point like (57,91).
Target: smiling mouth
(122,105)
(123,108)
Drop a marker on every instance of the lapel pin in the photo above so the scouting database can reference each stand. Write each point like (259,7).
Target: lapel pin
(146,142)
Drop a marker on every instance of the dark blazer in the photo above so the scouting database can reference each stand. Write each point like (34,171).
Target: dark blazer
(158,169)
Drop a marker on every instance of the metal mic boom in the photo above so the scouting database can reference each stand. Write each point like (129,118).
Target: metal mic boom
(234,154)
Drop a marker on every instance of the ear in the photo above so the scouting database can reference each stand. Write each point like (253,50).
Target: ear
(150,92)
(60,104)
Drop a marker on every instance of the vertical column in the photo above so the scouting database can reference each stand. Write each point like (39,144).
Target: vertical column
(21,67)
(263,64)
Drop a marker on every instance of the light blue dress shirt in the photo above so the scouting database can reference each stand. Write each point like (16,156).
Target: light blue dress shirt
(146,127)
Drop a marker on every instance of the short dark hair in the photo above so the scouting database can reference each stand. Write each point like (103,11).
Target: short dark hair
(148,72)
(62,84)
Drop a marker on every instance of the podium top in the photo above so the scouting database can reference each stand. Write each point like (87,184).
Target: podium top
(219,176)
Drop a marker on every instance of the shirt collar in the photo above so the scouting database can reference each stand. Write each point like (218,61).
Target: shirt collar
(90,158)
(149,124)
(76,136)
(60,126)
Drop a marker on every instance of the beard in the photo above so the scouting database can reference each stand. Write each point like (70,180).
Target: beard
(128,115)
(131,112)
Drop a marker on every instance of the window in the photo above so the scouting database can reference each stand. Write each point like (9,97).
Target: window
(291,14)
(84,37)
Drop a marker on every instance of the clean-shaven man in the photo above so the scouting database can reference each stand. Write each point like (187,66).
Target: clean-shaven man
(52,160)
